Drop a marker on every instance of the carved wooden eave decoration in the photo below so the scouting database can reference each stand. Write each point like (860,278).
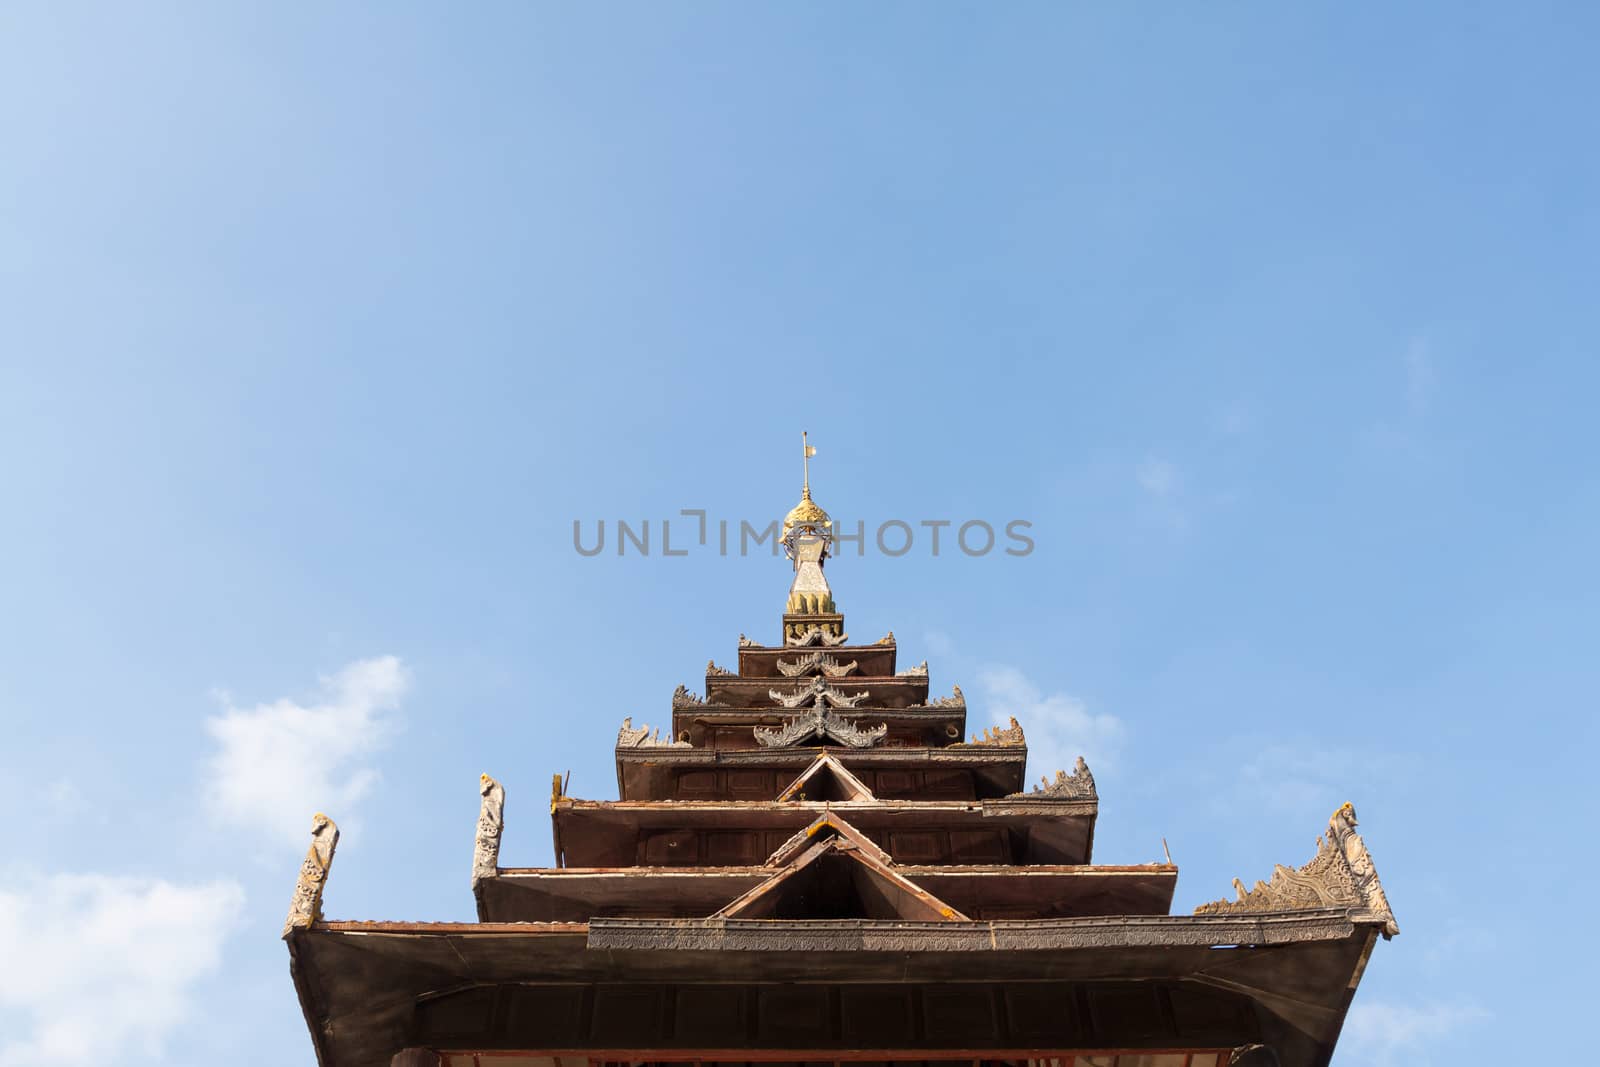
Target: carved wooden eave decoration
(1001,735)
(957,699)
(630,736)
(1079,785)
(745,642)
(819,692)
(919,671)
(849,786)
(714,671)
(886,639)
(305,907)
(683,699)
(816,663)
(816,635)
(820,721)
(1340,874)
(491,823)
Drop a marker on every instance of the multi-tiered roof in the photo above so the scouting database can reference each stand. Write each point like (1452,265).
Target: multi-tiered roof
(818,860)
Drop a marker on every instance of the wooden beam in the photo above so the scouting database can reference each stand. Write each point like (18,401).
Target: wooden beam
(417,1057)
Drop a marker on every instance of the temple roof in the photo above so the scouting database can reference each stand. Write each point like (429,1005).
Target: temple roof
(1292,975)
(577,894)
(1027,830)
(813,861)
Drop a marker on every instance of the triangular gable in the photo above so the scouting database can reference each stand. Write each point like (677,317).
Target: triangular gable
(822,826)
(835,879)
(826,779)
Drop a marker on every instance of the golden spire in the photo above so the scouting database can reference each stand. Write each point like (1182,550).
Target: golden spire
(810,616)
(806,516)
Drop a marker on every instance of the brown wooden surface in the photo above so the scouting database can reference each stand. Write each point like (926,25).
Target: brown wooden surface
(373,977)
(727,833)
(981,892)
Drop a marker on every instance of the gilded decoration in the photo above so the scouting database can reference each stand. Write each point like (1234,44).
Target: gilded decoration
(1341,874)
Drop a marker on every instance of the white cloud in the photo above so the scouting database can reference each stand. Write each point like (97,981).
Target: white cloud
(98,966)
(1157,477)
(1380,1032)
(1059,728)
(279,763)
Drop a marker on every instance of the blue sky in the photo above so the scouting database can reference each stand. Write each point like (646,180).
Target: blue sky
(319,328)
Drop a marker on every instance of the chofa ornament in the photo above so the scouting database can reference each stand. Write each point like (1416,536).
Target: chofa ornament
(305,907)
(491,823)
(1340,874)
(630,736)
(1001,735)
(1079,785)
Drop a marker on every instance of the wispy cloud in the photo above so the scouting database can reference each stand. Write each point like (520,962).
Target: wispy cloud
(1163,486)
(1382,1032)
(1059,727)
(1157,476)
(277,763)
(1291,778)
(98,967)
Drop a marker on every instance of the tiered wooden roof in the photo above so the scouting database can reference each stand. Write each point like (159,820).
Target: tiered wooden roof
(819,860)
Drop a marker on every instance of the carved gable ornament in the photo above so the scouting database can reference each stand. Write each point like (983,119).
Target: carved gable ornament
(630,736)
(819,720)
(815,663)
(816,635)
(1079,785)
(1341,874)
(1001,735)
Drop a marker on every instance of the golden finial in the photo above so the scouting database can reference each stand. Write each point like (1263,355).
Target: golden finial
(806,452)
(806,513)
